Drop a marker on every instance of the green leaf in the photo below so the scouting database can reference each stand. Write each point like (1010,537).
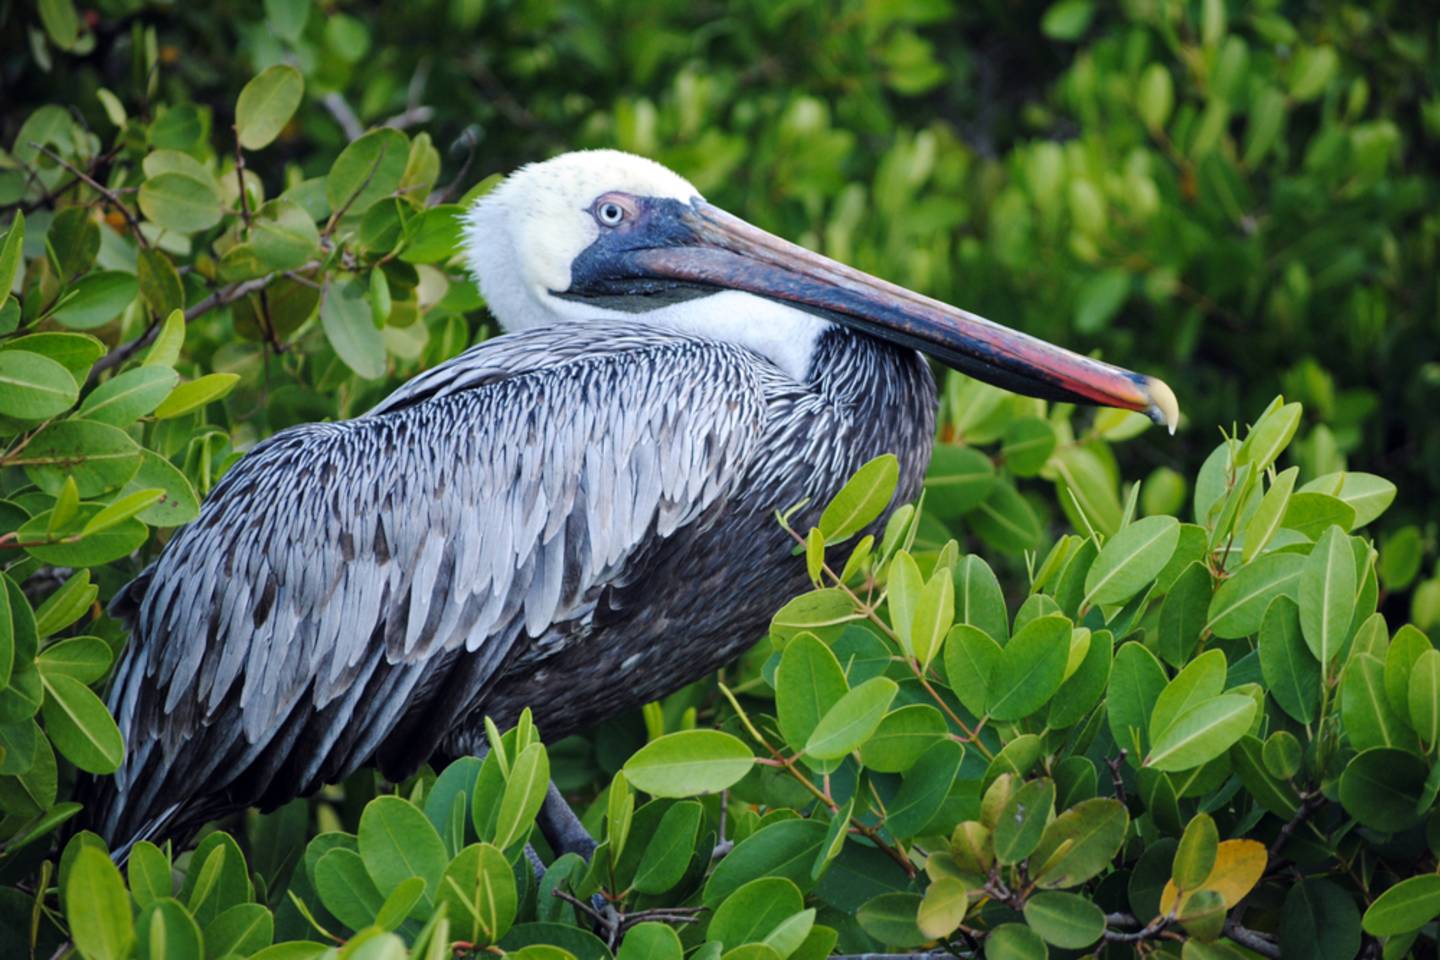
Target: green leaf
(1268,516)
(943,908)
(1327,595)
(1082,690)
(1005,521)
(287,17)
(1202,733)
(902,591)
(1269,792)
(434,235)
(66,605)
(167,931)
(1136,680)
(165,351)
(924,789)
(1195,856)
(1079,843)
(61,22)
(76,352)
(1365,711)
(650,941)
(73,241)
(283,236)
(670,848)
(787,848)
(890,918)
(180,504)
(98,907)
(128,396)
(241,930)
(367,170)
(1291,674)
(1155,96)
(80,726)
(345,888)
(1407,906)
(99,548)
(852,720)
(149,872)
(1131,560)
(266,104)
(808,682)
(12,254)
(958,480)
(971,661)
(1029,441)
(901,738)
(122,509)
(1424,698)
(196,394)
(749,913)
(97,299)
(1066,20)
(1368,495)
(160,285)
(1023,821)
(180,202)
(345,317)
(933,615)
(1380,787)
(1270,436)
(1016,941)
(1311,514)
(84,658)
(397,842)
(688,763)
(811,611)
(478,889)
(1240,603)
(1202,679)
(1183,614)
(524,792)
(1320,920)
(99,457)
(1066,920)
(979,600)
(1031,668)
(34,387)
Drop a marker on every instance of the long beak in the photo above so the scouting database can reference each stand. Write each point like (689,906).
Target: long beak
(716,249)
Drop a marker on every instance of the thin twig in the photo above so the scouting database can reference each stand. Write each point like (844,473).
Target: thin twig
(1309,803)
(99,188)
(219,298)
(240,179)
(1251,940)
(339,108)
(1115,764)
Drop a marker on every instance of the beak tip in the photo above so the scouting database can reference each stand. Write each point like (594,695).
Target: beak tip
(1164,408)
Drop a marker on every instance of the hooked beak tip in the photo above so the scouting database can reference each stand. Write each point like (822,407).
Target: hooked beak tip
(1164,408)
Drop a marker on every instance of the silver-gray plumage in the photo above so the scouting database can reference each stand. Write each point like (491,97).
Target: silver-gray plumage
(575,518)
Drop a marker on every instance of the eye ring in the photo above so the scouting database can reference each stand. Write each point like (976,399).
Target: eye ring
(609,213)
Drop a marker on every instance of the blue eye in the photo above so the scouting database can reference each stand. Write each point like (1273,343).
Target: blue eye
(610,213)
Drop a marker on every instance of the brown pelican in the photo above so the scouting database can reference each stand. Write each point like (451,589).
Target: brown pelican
(577,515)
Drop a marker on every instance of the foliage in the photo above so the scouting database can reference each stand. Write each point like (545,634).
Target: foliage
(1165,712)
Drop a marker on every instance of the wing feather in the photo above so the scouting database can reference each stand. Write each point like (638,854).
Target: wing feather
(337,567)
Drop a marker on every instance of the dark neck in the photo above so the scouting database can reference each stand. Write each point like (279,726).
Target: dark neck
(854,368)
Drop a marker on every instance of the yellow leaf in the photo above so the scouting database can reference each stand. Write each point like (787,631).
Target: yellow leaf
(1239,864)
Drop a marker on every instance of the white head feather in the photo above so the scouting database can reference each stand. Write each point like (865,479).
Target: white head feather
(522,237)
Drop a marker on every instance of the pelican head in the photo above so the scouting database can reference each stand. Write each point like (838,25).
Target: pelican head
(600,233)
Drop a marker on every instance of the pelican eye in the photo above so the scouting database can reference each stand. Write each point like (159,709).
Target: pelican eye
(609,213)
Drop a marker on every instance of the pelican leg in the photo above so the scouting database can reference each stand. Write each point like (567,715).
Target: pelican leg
(563,830)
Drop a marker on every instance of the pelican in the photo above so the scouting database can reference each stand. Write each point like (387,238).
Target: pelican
(575,516)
